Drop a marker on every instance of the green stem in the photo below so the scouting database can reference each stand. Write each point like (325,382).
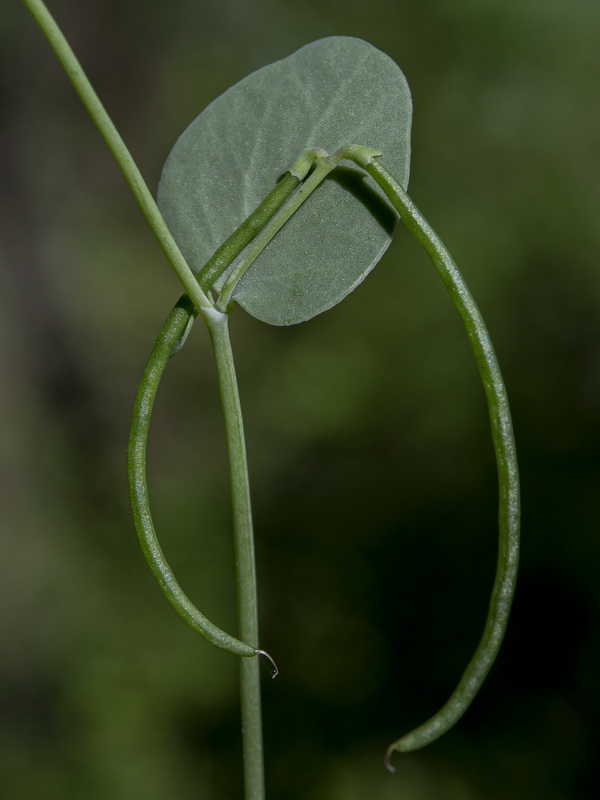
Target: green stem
(323,166)
(506,460)
(117,147)
(250,228)
(217,324)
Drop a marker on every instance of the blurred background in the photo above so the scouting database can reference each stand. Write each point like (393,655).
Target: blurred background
(371,462)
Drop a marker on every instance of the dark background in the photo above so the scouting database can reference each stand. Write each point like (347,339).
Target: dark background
(371,462)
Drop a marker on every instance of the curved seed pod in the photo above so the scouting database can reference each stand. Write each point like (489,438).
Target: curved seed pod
(506,461)
(171,338)
(168,341)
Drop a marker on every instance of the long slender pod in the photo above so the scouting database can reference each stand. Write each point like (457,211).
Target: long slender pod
(506,461)
(168,341)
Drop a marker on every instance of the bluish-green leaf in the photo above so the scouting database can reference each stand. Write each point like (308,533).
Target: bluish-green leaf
(331,93)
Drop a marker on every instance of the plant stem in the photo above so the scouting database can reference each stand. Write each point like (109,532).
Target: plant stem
(218,327)
(252,226)
(119,150)
(323,166)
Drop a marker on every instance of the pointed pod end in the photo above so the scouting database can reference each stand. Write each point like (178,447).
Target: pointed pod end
(272,665)
(388,759)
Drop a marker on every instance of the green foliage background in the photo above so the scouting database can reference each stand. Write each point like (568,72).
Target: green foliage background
(371,462)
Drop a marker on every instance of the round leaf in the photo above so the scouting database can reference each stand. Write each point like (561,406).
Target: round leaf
(333,92)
